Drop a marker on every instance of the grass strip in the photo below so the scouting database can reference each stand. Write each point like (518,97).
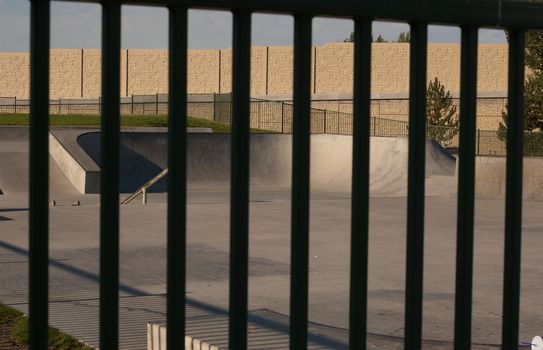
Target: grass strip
(19,331)
(19,119)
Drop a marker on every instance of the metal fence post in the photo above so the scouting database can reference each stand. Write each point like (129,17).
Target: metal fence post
(282,117)
(478,142)
(230,108)
(324,122)
(132,105)
(259,122)
(156,110)
(15,104)
(59,106)
(214,107)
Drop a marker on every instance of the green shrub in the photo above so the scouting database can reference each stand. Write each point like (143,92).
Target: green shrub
(442,121)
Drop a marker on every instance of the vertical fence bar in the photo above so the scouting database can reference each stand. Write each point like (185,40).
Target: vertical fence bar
(126,74)
(38,233)
(282,117)
(478,142)
(325,121)
(300,183)
(466,189)
(109,180)
(81,75)
(513,191)
(360,184)
(239,207)
(415,186)
(177,177)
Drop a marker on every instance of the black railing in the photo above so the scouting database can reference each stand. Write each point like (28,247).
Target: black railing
(515,16)
(388,117)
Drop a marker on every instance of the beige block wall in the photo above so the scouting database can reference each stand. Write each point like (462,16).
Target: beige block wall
(65,73)
(258,70)
(147,72)
(334,70)
(203,71)
(14,74)
(389,68)
(225,72)
(280,66)
(444,64)
(492,67)
(209,71)
(92,72)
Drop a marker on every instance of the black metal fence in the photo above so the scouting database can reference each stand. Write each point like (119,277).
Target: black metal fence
(515,16)
(218,107)
(199,105)
(276,116)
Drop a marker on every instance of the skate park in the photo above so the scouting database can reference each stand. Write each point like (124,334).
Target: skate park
(74,238)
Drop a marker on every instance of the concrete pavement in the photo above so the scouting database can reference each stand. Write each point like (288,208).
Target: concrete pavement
(74,249)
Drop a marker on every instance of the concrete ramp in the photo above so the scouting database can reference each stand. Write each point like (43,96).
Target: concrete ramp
(144,154)
(331,166)
(14,161)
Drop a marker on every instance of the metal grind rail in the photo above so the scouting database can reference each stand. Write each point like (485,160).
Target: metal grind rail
(515,16)
(143,189)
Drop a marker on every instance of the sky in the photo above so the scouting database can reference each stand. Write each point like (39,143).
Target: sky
(77,25)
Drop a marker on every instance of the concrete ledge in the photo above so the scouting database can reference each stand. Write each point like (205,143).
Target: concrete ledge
(82,179)
(156,340)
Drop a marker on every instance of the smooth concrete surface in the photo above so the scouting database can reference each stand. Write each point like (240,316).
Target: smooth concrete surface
(143,154)
(74,242)
(490,178)
(81,179)
(14,170)
(74,253)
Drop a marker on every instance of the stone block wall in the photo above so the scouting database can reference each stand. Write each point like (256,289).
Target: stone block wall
(76,72)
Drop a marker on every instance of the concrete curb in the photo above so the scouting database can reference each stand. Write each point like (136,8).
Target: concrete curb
(156,340)
(79,177)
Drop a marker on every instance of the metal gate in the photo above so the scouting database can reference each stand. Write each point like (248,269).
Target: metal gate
(514,16)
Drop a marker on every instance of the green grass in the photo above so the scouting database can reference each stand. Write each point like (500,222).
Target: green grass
(19,331)
(11,119)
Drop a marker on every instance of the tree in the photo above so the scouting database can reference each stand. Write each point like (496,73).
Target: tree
(533,115)
(404,37)
(350,38)
(442,121)
(534,50)
(533,97)
(380,39)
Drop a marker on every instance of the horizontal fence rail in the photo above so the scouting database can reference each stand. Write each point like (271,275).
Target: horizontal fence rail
(388,117)
(492,13)
(301,120)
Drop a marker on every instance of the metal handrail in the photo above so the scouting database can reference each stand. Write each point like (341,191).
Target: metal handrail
(143,189)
